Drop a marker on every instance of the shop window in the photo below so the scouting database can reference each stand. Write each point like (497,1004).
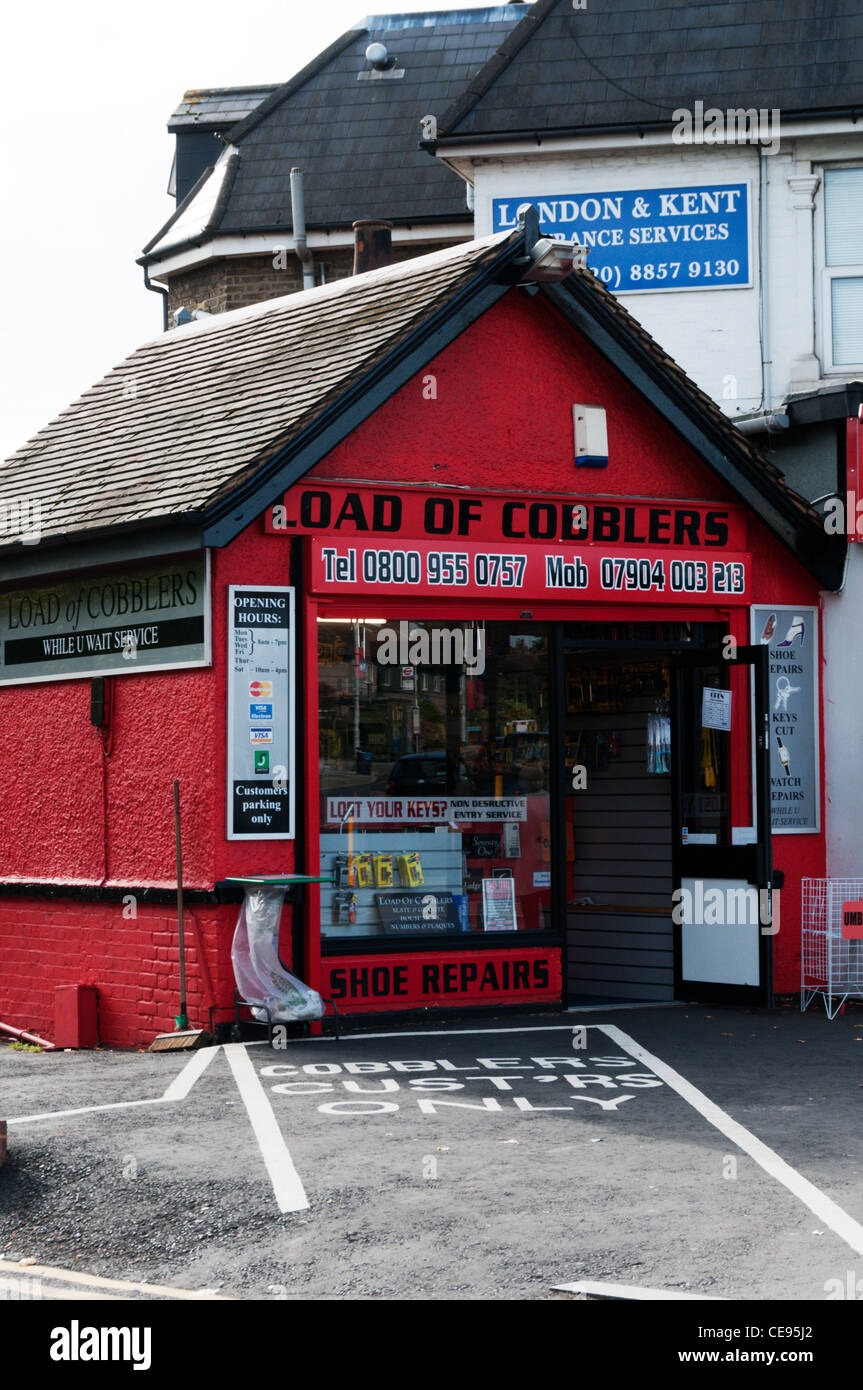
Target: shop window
(434,791)
(843,256)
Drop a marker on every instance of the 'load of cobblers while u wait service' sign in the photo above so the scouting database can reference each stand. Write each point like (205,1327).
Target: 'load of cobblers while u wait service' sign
(260,713)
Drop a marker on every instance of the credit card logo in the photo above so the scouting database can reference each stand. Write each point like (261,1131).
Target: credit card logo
(260,735)
(260,690)
(260,712)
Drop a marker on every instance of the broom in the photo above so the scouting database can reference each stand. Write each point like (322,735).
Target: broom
(183,1038)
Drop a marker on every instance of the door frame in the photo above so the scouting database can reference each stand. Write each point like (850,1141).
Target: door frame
(561,644)
(753,862)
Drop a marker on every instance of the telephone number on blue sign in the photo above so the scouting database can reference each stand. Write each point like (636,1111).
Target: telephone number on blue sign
(649,239)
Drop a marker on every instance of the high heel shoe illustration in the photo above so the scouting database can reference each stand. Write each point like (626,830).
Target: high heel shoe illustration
(769,629)
(795,632)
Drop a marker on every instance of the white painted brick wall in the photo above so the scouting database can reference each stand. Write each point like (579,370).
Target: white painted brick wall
(714,334)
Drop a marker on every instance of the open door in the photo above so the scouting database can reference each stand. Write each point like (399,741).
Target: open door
(721,845)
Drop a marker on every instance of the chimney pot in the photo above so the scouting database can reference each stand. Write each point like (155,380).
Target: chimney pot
(373,244)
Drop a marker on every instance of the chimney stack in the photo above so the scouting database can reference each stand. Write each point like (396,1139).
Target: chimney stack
(373,244)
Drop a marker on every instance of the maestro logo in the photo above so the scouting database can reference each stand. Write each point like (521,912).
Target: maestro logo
(260,690)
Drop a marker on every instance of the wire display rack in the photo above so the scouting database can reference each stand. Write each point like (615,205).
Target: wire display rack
(831,964)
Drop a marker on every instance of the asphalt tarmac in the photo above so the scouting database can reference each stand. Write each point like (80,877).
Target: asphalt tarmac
(693,1149)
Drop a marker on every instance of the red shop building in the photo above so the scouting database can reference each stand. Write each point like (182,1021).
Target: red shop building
(443,584)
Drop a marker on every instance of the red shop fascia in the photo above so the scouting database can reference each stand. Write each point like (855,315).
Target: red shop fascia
(448,493)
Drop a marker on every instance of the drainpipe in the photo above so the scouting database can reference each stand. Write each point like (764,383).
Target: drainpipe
(20,1034)
(298,218)
(772,423)
(158,289)
(766,384)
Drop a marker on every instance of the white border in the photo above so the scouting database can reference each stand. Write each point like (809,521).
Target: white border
(291,833)
(825,274)
(129,668)
(814,615)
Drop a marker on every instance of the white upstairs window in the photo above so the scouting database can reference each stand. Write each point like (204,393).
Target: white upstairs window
(843,255)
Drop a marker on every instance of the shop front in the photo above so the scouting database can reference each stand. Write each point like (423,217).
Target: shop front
(535,724)
(445,587)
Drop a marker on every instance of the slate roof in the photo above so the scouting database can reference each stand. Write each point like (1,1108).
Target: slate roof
(211,421)
(355,136)
(631,63)
(217,108)
(194,409)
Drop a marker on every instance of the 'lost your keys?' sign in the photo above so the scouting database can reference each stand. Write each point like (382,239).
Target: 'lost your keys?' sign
(260,713)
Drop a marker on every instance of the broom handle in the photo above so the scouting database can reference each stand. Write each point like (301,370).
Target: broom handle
(180,902)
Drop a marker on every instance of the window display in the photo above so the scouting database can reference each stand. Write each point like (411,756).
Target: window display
(434,777)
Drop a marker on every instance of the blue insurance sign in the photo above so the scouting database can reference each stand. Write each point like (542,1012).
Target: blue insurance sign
(650,239)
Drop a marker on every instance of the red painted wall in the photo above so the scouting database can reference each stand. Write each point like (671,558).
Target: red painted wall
(133,961)
(102,815)
(777,578)
(79,808)
(502,417)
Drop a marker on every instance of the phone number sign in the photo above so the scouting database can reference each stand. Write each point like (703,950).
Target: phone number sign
(534,572)
(650,239)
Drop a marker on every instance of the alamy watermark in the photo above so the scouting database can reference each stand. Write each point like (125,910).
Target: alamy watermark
(843,516)
(432,646)
(16,1288)
(734,126)
(22,516)
(710,905)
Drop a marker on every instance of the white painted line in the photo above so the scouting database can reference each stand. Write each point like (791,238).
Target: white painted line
(97,1281)
(52,1292)
(289,1190)
(604,1290)
(443,1033)
(84,1110)
(196,1065)
(826,1210)
(625,1008)
(476,1032)
(177,1090)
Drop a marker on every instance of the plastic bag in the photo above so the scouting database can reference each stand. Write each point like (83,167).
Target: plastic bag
(658,743)
(261,977)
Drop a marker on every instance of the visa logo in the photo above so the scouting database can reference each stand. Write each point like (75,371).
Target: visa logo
(260,711)
(260,735)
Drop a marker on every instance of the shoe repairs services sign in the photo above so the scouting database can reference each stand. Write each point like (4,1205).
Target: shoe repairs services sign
(151,618)
(791,633)
(260,740)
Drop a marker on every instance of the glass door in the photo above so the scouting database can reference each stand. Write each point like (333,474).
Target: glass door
(723,898)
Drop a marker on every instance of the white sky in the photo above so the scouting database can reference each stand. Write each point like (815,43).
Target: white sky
(89,86)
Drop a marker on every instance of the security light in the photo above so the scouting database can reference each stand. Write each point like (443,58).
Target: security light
(552,260)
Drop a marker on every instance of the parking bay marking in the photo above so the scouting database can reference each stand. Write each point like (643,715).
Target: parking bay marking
(631,1291)
(818,1203)
(289,1190)
(178,1089)
(504,1074)
(196,1065)
(822,1206)
(97,1281)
